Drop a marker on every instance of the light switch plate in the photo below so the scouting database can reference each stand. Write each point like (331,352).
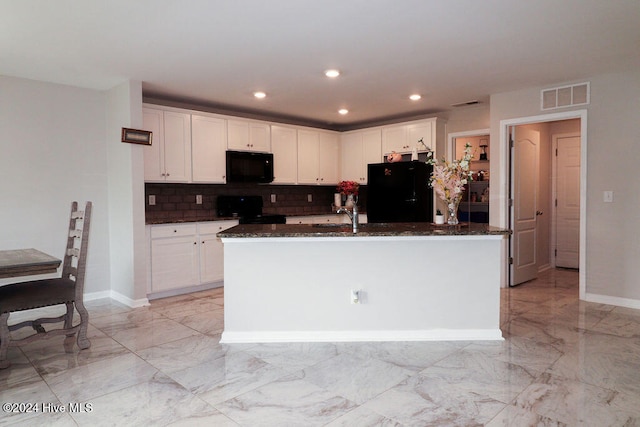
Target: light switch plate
(273,198)
(309,198)
(608,197)
(199,199)
(152,200)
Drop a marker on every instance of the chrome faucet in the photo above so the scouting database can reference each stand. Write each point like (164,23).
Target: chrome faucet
(353,216)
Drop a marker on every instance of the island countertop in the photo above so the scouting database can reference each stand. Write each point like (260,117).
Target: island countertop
(365,230)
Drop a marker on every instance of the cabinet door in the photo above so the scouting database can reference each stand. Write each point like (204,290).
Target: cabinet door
(208,145)
(177,146)
(174,263)
(394,138)
(308,152)
(371,149)
(420,130)
(153,120)
(352,157)
(284,146)
(259,137)
(237,135)
(212,250)
(329,158)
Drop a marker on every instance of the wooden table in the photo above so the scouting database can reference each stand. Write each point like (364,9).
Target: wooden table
(26,262)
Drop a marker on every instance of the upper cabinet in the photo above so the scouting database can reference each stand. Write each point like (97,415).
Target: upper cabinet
(168,159)
(248,136)
(403,138)
(359,148)
(208,146)
(318,157)
(284,146)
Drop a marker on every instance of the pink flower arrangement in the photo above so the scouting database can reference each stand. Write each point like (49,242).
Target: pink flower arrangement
(449,178)
(348,188)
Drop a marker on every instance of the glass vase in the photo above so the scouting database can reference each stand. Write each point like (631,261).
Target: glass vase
(349,202)
(452,208)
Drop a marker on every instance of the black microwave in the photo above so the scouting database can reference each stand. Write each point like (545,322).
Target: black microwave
(243,166)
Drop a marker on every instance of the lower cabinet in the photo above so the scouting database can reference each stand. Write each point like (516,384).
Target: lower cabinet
(185,256)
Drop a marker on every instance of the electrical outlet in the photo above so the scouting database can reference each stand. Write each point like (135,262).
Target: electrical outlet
(309,198)
(199,199)
(152,200)
(355,296)
(273,198)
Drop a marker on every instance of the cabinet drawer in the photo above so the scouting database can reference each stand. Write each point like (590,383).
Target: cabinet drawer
(173,230)
(215,226)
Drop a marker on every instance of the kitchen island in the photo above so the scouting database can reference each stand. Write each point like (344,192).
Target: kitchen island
(388,282)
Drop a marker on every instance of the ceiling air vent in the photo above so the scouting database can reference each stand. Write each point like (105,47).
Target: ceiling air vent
(465,104)
(564,96)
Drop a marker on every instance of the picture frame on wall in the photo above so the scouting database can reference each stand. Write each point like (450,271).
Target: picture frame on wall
(136,136)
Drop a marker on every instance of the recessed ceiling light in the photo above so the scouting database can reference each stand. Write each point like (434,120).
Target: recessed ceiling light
(415,97)
(332,73)
(259,95)
(343,111)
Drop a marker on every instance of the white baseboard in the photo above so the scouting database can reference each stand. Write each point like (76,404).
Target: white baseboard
(229,337)
(606,299)
(116,296)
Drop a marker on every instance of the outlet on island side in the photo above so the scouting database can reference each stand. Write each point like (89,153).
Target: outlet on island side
(273,198)
(309,198)
(199,199)
(152,200)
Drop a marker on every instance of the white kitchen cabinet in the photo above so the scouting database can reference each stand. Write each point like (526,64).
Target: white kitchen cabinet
(404,137)
(212,250)
(318,157)
(359,148)
(248,136)
(208,146)
(168,159)
(186,256)
(284,146)
(174,257)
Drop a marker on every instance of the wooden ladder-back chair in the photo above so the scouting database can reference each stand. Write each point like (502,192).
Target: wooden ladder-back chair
(67,289)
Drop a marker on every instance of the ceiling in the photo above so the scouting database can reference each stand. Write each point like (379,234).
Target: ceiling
(216,53)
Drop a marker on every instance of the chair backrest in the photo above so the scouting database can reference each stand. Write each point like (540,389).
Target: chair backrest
(75,258)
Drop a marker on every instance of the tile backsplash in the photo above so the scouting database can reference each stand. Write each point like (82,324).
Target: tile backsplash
(177,202)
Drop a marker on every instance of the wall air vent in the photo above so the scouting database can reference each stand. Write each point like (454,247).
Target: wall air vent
(465,104)
(564,96)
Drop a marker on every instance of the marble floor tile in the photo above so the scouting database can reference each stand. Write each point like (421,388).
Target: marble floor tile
(157,401)
(32,392)
(286,402)
(575,403)
(227,377)
(433,401)
(563,362)
(478,373)
(357,378)
(154,333)
(90,381)
(293,356)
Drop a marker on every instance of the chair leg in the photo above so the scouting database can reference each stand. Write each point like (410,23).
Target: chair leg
(83,341)
(68,318)
(5,337)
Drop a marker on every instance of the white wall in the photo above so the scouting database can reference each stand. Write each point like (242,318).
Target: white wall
(61,143)
(613,138)
(52,152)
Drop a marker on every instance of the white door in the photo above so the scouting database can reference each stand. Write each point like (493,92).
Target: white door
(567,211)
(524,189)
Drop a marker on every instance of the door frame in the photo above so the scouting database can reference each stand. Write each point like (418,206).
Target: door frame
(503,207)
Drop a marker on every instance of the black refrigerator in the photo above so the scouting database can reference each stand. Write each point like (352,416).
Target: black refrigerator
(399,192)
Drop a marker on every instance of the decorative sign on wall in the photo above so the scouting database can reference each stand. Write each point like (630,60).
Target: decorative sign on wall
(136,136)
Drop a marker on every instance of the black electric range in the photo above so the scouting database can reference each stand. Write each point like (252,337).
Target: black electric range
(248,210)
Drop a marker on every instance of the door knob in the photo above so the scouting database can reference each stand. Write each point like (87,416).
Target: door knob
(538,213)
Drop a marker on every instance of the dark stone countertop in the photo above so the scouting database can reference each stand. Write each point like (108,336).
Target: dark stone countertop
(365,230)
